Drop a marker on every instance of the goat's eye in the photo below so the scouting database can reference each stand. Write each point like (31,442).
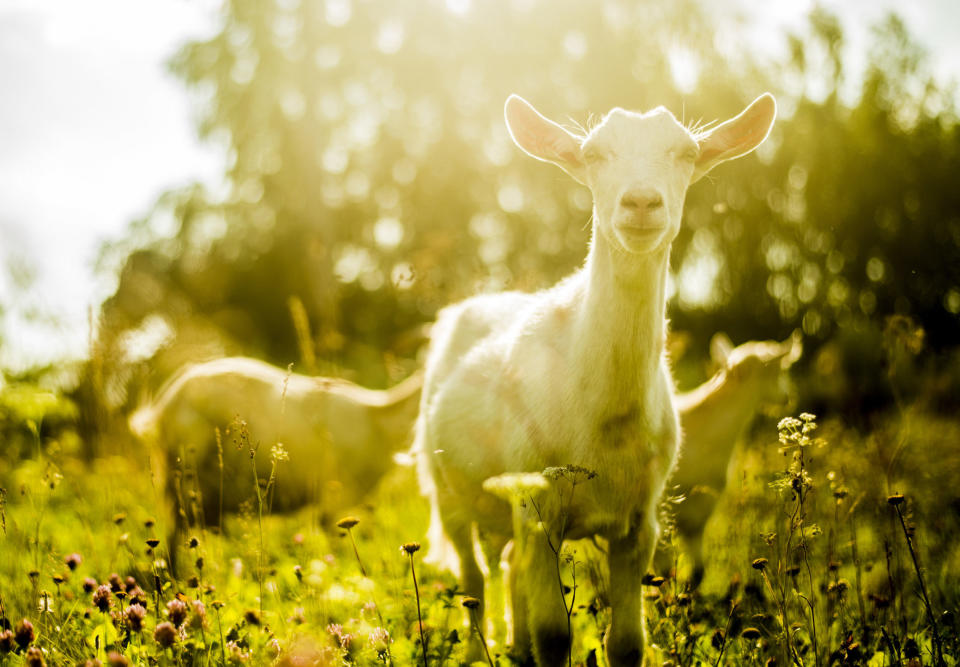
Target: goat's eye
(592,155)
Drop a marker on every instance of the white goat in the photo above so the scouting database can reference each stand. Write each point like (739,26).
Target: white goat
(339,436)
(713,417)
(574,374)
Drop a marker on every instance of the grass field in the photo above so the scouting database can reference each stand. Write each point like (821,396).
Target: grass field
(809,564)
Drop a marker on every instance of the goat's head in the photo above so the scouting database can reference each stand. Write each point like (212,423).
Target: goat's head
(638,166)
(758,367)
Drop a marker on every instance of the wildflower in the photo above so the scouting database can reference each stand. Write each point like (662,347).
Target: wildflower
(471,602)
(759,564)
(345,638)
(149,523)
(410,548)
(199,617)
(348,522)
(165,634)
(237,654)
(23,634)
(252,616)
(833,565)
(793,570)
(153,542)
(72,561)
(895,499)
(278,453)
(6,641)
(379,637)
(138,597)
(34,657)
(750,633)
(217,604)
(134,616)
(193,543)
(33,575)
(119,518)
(717,639)
(298,572)
(177,612)
(115,659)
(116,584)
(101,598)
(193,582)
(652,580)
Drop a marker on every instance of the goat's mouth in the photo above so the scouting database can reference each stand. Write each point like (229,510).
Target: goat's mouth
(640,229)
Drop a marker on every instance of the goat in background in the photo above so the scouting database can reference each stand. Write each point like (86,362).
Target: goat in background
(338,436)
(713,418)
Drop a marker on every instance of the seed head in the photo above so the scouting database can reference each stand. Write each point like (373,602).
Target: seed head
(177,612)
(750,633)
(165,634)
(115,659)
(116,583)
(6,641)
(34,657)
(89,585)
(896,499)
(410,548)
(348,522)
(102,599)
(72,561)
(759,564)
(138,597)
(470,602)
(23,634)
(134,616)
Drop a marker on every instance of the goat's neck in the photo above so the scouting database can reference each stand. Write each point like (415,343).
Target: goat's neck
(621,331)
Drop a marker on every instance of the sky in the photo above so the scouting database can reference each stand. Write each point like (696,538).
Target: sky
(93,128)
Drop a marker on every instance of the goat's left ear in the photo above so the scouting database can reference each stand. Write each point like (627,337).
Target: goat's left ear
(737,136)
(792,349)
(541,138)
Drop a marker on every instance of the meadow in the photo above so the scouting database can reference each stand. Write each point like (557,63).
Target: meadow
(840,540)
(370,181)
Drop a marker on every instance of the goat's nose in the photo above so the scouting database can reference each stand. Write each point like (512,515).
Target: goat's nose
(641,199)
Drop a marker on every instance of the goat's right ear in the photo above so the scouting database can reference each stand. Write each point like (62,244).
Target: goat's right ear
(720,348)
(541,138)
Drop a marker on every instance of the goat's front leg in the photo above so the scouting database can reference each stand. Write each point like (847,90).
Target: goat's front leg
(544,597)
(628,558)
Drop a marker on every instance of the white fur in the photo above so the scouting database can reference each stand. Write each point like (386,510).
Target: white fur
(714,416)
(574,374)
(339,436)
